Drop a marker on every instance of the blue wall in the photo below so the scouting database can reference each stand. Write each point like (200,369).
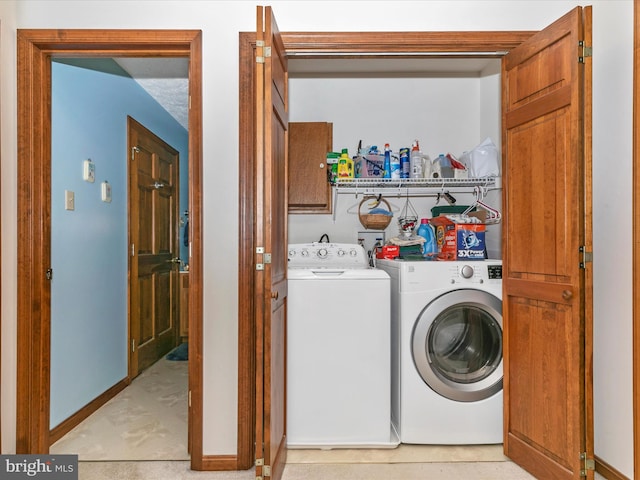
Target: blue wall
(89,244)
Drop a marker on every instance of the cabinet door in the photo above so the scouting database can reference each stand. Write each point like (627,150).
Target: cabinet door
(309,187)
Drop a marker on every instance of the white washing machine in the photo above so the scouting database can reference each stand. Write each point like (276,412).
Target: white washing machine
(446,351)
(338,349)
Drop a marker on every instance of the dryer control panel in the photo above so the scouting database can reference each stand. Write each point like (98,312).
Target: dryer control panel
(476,272)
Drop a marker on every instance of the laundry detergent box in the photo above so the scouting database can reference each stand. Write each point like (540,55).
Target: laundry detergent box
(459,241)
(387,251)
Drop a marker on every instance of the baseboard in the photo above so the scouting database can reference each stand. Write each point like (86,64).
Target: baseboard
(607,471)
(74,420)
(216,463)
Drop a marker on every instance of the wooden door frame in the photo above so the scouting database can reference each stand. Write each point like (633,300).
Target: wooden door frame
(336,45)
(35,49)
(636,231)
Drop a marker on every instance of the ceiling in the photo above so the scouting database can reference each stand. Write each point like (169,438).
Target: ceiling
(167,79)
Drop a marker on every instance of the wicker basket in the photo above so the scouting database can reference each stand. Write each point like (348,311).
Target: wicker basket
(374,221)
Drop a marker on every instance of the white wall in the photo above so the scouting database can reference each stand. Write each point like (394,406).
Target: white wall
(220,22)
(612,202)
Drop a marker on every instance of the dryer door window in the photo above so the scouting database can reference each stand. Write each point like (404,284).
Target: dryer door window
(457,345)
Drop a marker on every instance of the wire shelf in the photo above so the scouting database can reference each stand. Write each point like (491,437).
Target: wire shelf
(410,186)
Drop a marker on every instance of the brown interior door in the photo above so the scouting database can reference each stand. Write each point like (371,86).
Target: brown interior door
(271,240)
(547,279)
(153,267)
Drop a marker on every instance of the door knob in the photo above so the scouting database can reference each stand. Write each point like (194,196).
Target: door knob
(274,295)
(567,294)
(174,260)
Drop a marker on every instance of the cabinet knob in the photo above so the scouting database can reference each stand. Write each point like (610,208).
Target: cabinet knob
(275,295)
(322,165)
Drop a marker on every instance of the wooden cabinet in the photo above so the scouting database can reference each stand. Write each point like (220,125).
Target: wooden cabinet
(184,305)
(309,187)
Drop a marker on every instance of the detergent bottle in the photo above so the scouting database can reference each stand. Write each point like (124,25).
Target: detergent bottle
(345,165)
(387,161)
(429,247)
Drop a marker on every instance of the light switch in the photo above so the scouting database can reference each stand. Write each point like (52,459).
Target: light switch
(69,200)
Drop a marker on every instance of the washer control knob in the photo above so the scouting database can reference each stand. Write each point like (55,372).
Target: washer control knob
(341,253)
(353,253)
(466,271)
(304,253)
(322,253)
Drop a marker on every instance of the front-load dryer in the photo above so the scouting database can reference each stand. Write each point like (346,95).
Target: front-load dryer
(446,351)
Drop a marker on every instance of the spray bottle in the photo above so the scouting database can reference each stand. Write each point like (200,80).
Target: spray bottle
(387,161)
(416,161)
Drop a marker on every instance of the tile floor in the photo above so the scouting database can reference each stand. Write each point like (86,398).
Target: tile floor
(135,433)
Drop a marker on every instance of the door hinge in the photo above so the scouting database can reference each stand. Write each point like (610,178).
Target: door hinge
(133,249)
(189,398)
(587,257)
(266,258)
(259,462)
(260,45)
(133,344)
(584,51)
(586,464)
(49,273)
(134,150)
(266,471)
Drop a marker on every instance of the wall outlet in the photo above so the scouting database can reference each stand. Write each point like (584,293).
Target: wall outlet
(369,240)
(106,192)
(89,171)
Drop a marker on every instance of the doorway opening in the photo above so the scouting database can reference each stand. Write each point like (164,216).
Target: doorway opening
(36,50)
(334,46)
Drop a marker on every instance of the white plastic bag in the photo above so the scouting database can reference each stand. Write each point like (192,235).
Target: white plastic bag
(482,161)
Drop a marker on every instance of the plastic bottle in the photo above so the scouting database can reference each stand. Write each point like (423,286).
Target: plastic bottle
(345,165)
(445,166)
(387,161)
(429,247)
(416,161)
(332,166)
(426,166)
(405,167)
(395,165)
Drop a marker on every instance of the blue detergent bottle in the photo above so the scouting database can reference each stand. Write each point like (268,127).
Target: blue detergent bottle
(429,247)
(387,161)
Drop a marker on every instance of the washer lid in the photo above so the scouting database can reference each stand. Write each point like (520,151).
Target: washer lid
(457,345)
(336,274)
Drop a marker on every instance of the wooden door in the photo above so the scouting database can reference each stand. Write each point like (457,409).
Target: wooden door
(547,277)
(153,244)
(271,241)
